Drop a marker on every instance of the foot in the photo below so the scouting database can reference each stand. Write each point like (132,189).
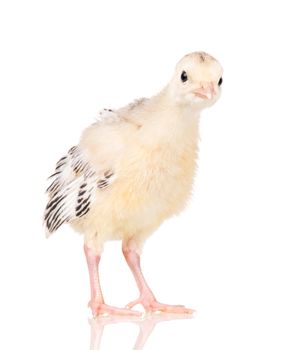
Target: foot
(104,309)
(150,304)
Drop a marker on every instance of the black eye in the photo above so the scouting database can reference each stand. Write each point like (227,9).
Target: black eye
(220,81)
(184,76)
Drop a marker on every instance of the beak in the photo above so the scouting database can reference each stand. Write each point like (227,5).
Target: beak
(206,91)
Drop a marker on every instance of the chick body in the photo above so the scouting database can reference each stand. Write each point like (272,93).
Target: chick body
(152,151)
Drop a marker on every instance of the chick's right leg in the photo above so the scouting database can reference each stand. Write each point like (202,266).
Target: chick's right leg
(147,298)
(97,303)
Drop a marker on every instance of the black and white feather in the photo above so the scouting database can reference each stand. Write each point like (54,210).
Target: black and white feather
(72,191)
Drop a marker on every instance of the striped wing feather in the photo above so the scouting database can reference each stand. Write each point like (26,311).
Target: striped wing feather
(72,190)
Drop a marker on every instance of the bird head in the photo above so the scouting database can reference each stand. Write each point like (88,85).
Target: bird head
(197,80)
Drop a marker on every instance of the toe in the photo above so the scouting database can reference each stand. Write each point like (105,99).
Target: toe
(133,303)
(120,311)
(104,309)
(173,309)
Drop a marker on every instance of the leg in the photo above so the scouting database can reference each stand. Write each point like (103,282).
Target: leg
(97,303)
(147,298)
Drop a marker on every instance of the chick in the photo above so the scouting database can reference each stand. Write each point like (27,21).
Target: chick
(131,170)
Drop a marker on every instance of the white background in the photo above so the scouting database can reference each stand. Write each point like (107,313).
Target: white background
(61,62)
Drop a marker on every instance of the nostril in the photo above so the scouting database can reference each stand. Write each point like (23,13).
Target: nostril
(207,86)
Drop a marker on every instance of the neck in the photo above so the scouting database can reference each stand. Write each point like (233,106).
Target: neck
(171,122)
(166,103)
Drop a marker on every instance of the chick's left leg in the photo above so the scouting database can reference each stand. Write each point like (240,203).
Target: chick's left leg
(146,298)
(97,303)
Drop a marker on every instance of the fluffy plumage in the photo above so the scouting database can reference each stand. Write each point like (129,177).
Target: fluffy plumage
(135,166)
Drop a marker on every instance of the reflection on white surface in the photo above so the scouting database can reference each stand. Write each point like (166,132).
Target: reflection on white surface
(146,326)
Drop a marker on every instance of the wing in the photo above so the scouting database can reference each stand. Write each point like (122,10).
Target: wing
(72,191)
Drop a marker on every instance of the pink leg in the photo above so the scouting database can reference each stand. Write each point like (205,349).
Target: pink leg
(147,298)
(97,303)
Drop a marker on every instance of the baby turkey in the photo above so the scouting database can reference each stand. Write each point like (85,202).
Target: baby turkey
(131,170)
